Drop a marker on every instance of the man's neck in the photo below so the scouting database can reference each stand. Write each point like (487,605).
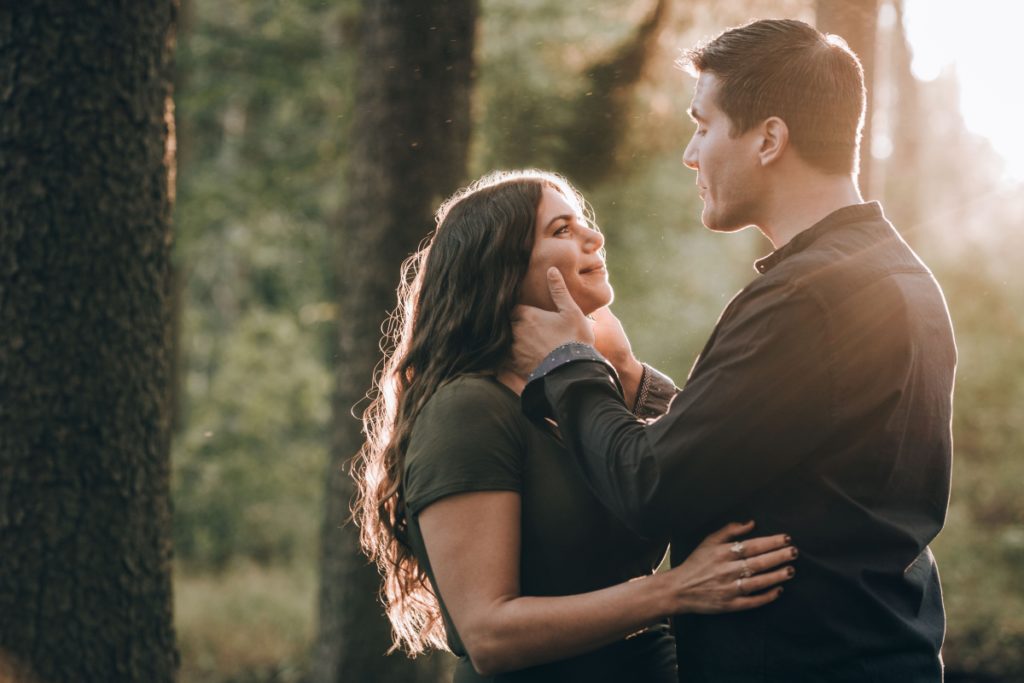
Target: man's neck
(801,201)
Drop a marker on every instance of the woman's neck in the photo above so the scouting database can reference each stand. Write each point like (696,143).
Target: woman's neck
(511,380)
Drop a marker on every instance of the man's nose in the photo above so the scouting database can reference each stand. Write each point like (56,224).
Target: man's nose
(690,156)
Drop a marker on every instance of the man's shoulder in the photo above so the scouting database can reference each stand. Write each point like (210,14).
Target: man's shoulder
(860,265)
(850,258)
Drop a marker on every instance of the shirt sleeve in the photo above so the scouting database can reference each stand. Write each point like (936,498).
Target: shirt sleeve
(654,395)
(572,352)
(756,404)
(467,438)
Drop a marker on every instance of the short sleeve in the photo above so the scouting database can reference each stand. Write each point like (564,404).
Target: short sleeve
(467,438)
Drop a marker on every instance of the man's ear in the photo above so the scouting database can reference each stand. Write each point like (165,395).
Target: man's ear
(774,140)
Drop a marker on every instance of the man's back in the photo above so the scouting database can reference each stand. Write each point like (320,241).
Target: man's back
(871,494)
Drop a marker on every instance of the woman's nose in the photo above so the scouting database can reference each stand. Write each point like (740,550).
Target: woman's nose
(594,239)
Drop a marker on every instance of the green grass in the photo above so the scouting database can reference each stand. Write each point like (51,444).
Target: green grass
(246,624)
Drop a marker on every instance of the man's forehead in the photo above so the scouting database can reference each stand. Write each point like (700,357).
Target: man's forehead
(704,95)
(703,92)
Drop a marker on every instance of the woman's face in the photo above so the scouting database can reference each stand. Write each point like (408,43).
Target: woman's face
(563,239)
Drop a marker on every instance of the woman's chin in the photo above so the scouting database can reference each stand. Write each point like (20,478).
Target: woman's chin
(597,300)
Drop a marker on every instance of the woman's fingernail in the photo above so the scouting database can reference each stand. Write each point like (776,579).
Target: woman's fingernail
(789,539)
(790,570)
(795,552)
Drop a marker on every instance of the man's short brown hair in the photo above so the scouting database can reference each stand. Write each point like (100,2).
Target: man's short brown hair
(788,69)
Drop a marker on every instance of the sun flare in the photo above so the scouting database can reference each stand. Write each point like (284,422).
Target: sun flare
(981,44)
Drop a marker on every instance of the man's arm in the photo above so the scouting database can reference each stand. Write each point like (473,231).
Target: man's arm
(654,394)
(757,404)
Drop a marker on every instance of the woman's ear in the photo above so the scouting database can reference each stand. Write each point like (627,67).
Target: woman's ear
(774,140)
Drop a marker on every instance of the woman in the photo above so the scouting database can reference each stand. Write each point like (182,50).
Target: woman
(489,542)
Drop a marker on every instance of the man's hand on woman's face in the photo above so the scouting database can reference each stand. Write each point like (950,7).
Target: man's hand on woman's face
(538,332)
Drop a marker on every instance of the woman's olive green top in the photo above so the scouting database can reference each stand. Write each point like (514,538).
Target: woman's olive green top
(472,436)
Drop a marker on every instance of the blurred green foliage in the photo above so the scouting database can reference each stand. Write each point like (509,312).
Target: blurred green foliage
(262,106)
(981,550)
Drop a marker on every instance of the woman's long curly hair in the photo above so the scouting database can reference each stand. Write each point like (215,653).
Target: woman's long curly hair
(455,300)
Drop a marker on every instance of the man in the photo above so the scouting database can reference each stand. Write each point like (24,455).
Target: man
(820,406)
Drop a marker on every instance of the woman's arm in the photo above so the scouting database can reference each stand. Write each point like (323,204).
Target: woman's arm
(473,541)
(611,341)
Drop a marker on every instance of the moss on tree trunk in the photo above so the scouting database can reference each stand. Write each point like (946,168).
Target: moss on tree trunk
(86,151)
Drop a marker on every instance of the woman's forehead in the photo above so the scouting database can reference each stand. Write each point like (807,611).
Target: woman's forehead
(554,202)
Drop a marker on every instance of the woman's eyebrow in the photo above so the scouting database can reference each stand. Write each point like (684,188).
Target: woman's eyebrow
(562,217)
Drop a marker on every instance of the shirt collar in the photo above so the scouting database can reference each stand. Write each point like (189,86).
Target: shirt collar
(855,213)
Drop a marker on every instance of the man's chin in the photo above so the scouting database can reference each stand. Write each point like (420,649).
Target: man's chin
(720,223)
(709,219)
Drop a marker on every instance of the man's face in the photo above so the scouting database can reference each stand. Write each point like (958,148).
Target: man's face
(727,167)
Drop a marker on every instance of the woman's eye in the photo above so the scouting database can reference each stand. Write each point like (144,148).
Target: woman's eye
(562,230)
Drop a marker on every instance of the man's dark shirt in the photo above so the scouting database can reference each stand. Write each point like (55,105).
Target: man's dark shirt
(820,407)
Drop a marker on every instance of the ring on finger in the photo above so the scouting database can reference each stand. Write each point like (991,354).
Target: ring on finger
(737,549)
(739,586)
(745,570)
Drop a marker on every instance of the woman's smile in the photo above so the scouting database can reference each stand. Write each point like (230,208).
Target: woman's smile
(564,239)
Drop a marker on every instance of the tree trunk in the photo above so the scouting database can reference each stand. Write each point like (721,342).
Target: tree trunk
(410,139)
(855,21)
(902,188)
(600,118)
(86,150)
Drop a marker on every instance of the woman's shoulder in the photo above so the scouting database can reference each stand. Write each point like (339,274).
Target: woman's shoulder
(468,408)
(471,396)
(469,436)
(475,385)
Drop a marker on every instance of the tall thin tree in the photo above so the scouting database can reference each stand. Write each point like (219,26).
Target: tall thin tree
(409,144)
(903,186)
(86,151)
(856,21)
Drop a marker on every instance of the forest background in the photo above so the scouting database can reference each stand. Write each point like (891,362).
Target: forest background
(266,104)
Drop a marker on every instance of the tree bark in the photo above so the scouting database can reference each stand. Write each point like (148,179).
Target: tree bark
(855,21)
(86,150)
(410,137)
